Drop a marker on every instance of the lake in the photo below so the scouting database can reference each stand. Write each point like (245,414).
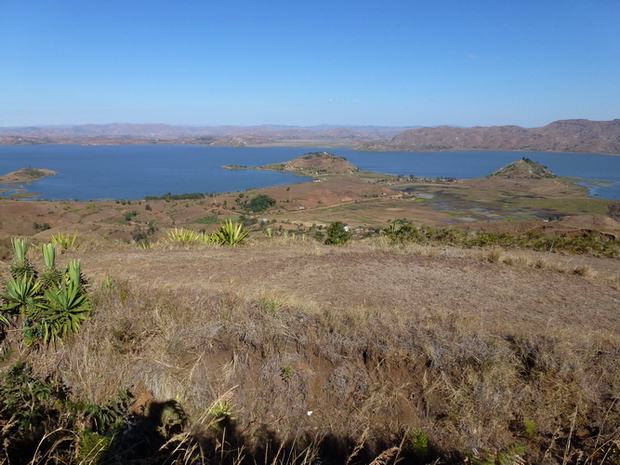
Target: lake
(135,171)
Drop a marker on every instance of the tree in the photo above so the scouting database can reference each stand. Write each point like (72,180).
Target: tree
(337,233)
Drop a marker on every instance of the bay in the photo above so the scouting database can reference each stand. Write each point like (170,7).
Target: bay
(135,171)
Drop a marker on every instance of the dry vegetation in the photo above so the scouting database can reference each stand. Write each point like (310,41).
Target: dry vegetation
(286,350)
(413,345)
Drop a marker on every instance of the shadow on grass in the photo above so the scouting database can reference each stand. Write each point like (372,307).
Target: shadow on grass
(162,436)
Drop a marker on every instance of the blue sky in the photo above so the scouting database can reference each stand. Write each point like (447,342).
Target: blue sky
(390,62)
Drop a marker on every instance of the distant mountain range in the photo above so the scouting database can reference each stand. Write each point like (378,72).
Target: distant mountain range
(576,135)
(215,135)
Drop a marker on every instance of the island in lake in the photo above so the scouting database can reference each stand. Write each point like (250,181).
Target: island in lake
(26,176)
(13,181)
(311,164)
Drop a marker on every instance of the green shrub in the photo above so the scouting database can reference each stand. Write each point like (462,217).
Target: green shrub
(169,196)
(41,425)
(41,227)
(401,230)
(130,215)
(259,204)
(417,446)
(337,234)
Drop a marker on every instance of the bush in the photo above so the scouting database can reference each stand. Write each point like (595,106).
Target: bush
(130,215)
(337,234)
(41,227)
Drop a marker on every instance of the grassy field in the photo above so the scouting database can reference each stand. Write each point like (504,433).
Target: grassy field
(289,351)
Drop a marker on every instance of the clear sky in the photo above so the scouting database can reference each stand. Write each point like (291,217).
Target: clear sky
(388,62)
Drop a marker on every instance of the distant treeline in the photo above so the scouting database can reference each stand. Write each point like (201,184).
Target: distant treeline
(170,196)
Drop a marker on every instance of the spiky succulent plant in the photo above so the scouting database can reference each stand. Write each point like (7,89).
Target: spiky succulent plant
(50,277)
(21,267)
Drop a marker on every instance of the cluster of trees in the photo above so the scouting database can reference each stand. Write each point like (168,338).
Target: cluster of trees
(168,197)
(258,204)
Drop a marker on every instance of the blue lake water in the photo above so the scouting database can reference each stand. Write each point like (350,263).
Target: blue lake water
(135,171)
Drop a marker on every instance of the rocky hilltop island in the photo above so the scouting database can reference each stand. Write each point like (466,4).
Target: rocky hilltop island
(310,164)
(26,175)
(524,168)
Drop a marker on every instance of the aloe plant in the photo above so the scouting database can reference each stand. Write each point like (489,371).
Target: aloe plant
(65,241)
(51,306)
(20,247)
(231,233)
(184,236)
(49,255)
(21,267)
(144,245)
(50,275)
(210,238)
(73,272)
(62,312)
(21,292)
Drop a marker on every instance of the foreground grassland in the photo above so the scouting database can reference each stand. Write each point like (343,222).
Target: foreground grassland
(286,350)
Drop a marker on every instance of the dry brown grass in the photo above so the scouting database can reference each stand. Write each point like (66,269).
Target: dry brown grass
(480,350)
